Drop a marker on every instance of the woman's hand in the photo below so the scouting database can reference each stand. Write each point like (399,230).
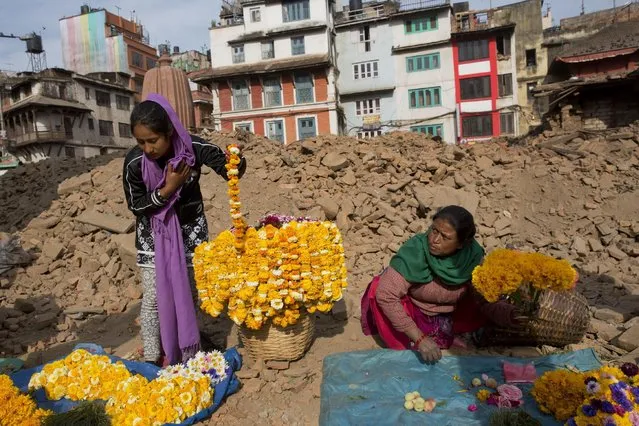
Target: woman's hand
(175,178)
(429,351)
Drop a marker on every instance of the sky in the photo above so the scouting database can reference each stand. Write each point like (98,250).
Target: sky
(182,23)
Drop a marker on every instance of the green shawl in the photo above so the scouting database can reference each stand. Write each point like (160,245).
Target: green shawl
(417,265)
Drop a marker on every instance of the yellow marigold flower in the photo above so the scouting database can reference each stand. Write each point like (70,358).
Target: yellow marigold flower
(483,395)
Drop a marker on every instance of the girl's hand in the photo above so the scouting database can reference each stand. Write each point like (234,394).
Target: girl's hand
(175,178)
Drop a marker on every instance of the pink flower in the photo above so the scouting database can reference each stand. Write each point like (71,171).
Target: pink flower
(510,392)
(503,402)
(472,408)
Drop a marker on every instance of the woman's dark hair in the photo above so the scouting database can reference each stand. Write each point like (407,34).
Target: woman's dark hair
(152,115)
(460,219)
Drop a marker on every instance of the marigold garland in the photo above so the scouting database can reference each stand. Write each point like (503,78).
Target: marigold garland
(504,271)
(233,173)
(298,266)
(271,272)
(16,408)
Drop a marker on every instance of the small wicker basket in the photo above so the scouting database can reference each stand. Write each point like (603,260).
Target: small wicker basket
(561,319)
(279,344)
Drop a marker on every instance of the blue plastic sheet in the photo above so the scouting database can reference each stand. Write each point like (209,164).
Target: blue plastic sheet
(368,387)
(228,387)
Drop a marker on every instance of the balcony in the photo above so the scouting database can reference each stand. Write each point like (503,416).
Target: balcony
(366,13)
(480,20)
(40,136)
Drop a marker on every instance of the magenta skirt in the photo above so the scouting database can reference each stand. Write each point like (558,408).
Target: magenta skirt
(374,322)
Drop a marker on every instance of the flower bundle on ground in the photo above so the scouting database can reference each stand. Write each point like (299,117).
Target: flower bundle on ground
(177,393)
(272,271)
(608,396)
(504,271)
(16,408)
(81,376)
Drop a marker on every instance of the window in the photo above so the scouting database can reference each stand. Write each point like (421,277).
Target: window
(503,45)
(367,106)
(529,88)
(303,88)
(297,46)
(424,98)
(272,92)
(125,130)
(106,128)
(428,23)
(475,88)
(429,129)
(246,126)
(137,59)
(295,10)
(477,125)
(240,95)
(87,93)
(368,134)
(275,130)
(505,84)
(531,58)
(365,37)
(103,99)
(91,125)
(150,63)
(422,62)
(139,83)
(365,70)
(507,123)
(256,15)
(306,127)
(268,50)
(473,50)
(122,102)
(238,54)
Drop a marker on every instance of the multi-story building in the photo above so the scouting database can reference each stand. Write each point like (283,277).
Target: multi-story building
(189,60)
(485,69)
(100,41)
(393,76)
(59,113)
(273,71)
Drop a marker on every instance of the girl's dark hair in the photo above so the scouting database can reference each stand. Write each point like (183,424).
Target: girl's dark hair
(152,115)
(460,219)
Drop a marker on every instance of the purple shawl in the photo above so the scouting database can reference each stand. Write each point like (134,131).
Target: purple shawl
(178,323)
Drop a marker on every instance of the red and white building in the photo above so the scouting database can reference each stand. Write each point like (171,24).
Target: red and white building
(272,71)
(485,78)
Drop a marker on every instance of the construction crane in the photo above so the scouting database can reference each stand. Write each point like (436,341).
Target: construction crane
(35,51)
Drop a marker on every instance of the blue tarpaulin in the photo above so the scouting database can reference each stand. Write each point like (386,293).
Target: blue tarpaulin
(368,387)
(229,386)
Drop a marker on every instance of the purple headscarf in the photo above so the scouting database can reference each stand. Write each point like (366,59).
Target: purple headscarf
(178,323)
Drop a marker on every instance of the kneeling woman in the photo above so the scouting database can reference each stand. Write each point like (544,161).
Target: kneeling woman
(415,302)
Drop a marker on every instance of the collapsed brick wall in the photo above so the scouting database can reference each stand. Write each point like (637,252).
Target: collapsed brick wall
(601,18)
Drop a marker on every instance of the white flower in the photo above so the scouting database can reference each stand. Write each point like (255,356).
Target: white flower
(298,297)
(233,172)
(236,216)
(252,283)
(277,272)
(234,150)
(277,304)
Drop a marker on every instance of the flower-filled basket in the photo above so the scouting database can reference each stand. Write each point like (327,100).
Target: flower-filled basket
(271,278)
(542,289)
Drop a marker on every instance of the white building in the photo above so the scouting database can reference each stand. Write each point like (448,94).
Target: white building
(272,69)
(423,54)
(395,63)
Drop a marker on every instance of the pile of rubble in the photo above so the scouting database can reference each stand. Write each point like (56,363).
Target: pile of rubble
(571,196)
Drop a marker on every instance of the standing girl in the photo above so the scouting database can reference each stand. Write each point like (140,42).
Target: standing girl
(161,185)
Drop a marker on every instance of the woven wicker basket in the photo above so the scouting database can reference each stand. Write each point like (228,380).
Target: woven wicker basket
(560,319)
(281,344)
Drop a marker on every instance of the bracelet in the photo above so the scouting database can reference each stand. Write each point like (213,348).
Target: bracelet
(160,198)
(418,341)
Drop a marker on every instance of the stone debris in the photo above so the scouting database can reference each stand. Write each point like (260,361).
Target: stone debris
(569,196)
